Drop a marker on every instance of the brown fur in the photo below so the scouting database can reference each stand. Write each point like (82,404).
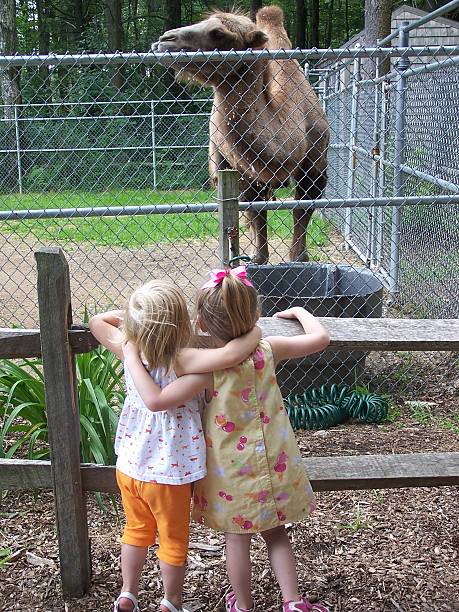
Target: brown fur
(266,122)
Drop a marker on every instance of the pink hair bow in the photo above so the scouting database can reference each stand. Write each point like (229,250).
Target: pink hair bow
(217,276)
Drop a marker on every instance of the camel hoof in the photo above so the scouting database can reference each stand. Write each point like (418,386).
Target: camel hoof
(259,258)
(299,256)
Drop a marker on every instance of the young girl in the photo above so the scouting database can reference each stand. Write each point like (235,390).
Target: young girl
(159,453)
(255,479)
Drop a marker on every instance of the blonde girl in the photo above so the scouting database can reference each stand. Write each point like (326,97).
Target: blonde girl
(255,479)
(159,452)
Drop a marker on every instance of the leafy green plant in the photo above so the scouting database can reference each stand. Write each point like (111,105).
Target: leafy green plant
(23,422)
(420,411)
(451,424)
(357,523)
(393,413)
(379,496)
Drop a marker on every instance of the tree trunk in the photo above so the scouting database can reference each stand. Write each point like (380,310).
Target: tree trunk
(173,19)
(255,5)
(155,23)
(11,94)
(315,23)
(114,24)
(172,14)
(346,16)
(78,22)
(9,77)
(329,31)
(43,94)
(301,22)
(135,19)
(115,37)
(378,14)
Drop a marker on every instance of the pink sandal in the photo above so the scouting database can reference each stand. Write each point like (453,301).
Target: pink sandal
(303,606)
(231,604)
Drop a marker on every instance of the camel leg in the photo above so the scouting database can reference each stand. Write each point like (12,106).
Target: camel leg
(309,187)
(258,228)
(301,218)
(257,222)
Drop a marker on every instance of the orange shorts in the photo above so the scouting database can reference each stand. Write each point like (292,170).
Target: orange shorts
(151,507)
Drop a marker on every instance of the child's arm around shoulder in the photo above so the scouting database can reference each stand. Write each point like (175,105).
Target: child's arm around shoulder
(105,328)
(155,398)
(316,338)
(197,361)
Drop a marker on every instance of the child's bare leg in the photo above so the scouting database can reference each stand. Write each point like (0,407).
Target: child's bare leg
(173,577)
(239,567)
(282,561)
(132,562)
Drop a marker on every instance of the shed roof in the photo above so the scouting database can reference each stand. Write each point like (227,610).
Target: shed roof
(438,31)
(407,12)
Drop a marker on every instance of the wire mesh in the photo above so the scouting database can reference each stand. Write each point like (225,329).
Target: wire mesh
(96,132)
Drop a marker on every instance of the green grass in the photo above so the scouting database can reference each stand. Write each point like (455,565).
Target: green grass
(357,523)
(451,424)
(140,230)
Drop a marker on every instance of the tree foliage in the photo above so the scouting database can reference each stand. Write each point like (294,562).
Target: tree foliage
(91,25)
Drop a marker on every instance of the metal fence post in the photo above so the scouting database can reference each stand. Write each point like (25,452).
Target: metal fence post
(228,215)
(326,92)
(379,238)
(376,150)
(399,158)
(63,420)
(153,143)
(18,147)
(352,158)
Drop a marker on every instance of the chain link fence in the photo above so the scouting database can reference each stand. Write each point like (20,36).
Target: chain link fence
(107,157)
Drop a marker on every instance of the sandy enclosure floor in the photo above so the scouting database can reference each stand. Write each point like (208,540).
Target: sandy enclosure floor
(104,276)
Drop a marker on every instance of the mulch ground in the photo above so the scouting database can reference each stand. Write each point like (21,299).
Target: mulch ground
(384,550)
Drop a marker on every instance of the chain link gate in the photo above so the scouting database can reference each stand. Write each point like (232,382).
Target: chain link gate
(121,184)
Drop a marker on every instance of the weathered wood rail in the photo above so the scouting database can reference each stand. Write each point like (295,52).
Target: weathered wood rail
(341,473)
(362,334)
(59,341)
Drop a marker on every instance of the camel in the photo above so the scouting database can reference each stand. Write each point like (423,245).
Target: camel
(266,120)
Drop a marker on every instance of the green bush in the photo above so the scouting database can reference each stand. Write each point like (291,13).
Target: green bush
(23,421)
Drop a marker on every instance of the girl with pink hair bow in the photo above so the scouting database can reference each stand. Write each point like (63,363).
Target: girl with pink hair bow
(160,445)
(255,480)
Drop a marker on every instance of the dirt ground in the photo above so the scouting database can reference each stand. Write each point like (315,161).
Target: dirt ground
(103,276)
(386,550)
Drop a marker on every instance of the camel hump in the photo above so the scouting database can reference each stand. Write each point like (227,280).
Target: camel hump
(271,16)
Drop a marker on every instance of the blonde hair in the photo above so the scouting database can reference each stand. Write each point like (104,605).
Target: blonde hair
(228,310)
(156,319)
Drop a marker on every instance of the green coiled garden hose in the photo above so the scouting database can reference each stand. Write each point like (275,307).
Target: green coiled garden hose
(324,407)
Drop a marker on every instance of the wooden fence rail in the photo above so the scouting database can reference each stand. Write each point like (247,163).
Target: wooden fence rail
(58,341)
(338,473)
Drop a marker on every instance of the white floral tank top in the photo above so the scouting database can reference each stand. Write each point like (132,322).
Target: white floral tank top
(166,447)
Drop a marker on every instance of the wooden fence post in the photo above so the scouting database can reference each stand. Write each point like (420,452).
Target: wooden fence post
(63,420)
(228,215)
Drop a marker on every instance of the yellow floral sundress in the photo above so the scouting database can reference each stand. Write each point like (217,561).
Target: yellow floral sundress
(255,476)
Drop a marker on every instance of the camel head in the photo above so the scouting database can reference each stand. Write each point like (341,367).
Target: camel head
(219,31)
